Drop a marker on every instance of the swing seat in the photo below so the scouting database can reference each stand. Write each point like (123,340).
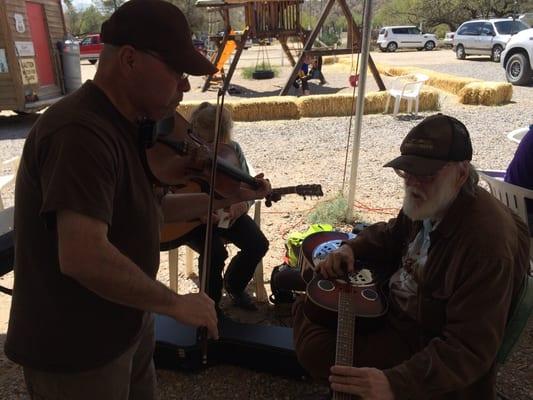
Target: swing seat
(263,74)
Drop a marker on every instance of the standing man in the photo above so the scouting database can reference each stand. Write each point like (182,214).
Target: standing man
(87,221)
(458,258)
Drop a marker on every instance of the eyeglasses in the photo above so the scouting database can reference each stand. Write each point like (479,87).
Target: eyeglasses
(181,76)
(424,179)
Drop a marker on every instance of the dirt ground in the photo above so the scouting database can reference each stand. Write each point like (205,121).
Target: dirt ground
(515,380)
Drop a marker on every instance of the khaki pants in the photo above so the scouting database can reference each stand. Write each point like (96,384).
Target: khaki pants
(129,377)
(315,345)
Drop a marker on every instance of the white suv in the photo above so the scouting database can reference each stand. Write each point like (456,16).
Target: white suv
(392,38)
(517,58)
(485,37)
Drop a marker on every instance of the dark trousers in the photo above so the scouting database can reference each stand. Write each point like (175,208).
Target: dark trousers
(315,345)
(252,244)
(131,376)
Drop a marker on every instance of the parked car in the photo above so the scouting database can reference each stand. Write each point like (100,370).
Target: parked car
(448,39)
(517,58)
(90,48)
(392,38)
(485,37)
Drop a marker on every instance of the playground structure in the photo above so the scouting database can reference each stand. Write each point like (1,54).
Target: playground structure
(280,19)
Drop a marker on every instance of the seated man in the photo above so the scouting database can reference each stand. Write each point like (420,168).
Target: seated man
(520,170)
(457,256)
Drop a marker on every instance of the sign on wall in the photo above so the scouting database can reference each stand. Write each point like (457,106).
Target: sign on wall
(25,49)
(3,62)
(19,23)
(29,71)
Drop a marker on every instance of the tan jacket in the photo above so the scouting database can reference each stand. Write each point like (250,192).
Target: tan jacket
(477,261)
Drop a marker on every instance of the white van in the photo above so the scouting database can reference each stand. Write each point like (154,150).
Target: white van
(392,38)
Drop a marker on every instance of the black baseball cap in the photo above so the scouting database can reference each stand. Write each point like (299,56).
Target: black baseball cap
(431,144)
(160,27)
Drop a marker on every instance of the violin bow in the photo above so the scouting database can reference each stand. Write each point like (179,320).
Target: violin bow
(202,331)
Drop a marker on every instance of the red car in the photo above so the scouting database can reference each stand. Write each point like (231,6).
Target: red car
(90,48)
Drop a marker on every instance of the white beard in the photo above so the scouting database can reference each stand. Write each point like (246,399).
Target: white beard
(418,205)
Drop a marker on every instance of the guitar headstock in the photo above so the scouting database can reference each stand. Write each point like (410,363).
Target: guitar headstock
(309,190)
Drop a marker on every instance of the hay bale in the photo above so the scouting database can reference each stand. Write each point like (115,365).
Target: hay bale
(257,109)
(329,105)
(336,105)
(486,93)
(264,108)
(290,107)
(447,82)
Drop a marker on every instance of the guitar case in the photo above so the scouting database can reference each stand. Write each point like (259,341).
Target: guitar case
(7,251)
(257,347)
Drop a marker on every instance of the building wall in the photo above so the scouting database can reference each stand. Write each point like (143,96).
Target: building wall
(8,81)
(56,31)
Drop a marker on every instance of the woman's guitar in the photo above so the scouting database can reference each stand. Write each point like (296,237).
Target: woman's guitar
(171,232)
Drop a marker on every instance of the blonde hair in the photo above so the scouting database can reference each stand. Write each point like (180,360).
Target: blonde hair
(203,122)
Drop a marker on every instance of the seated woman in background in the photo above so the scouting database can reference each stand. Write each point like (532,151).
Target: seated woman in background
(520,170)
(242,231)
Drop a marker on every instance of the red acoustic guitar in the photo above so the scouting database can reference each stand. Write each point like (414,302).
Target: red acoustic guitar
(340,302)
(171,232)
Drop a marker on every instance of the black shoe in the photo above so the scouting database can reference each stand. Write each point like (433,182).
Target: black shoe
(243,300)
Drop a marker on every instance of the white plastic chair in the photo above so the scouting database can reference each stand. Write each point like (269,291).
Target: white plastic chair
(7,180)
(173,264)
(518,134)
(511,195)
(406,87)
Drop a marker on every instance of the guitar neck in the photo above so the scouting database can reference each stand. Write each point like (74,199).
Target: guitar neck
(345,336)
(285,190)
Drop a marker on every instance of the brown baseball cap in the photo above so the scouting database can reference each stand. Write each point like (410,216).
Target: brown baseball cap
(157,26)
(431,144)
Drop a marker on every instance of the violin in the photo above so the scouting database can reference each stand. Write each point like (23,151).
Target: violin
(177,157)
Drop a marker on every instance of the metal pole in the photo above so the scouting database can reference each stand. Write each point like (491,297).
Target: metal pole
(359,107)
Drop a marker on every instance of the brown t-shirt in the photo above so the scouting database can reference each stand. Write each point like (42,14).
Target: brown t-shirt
(81,155)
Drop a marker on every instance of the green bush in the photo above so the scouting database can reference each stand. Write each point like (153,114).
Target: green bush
(331,211)
(248,71)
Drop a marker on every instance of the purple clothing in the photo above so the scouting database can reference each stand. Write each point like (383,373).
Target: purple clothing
(520,170)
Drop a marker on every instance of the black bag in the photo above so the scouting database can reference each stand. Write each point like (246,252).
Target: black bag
(280,295)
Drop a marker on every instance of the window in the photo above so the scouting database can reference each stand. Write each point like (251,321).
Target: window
(510,27)
(86,41)
(487,30)
(400,31)
(414,31)
(470,29)
(382,31)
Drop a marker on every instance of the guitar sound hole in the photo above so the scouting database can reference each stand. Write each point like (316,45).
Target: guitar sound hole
(369,294)
(325,285)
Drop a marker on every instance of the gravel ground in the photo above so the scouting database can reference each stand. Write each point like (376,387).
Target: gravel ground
(313,151)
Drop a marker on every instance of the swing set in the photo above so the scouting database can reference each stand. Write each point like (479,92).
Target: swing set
(280,19)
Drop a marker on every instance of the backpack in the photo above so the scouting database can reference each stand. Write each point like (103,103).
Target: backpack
(295,239)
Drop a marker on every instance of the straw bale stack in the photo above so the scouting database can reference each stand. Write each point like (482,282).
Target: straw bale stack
(469,90)
(264,108)
(447,82)
(486,93)
(290,107)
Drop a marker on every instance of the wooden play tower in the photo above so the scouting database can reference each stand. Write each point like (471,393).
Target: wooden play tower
(280,19)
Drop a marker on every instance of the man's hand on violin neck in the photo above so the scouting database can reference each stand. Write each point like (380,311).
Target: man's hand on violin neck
(337,263)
